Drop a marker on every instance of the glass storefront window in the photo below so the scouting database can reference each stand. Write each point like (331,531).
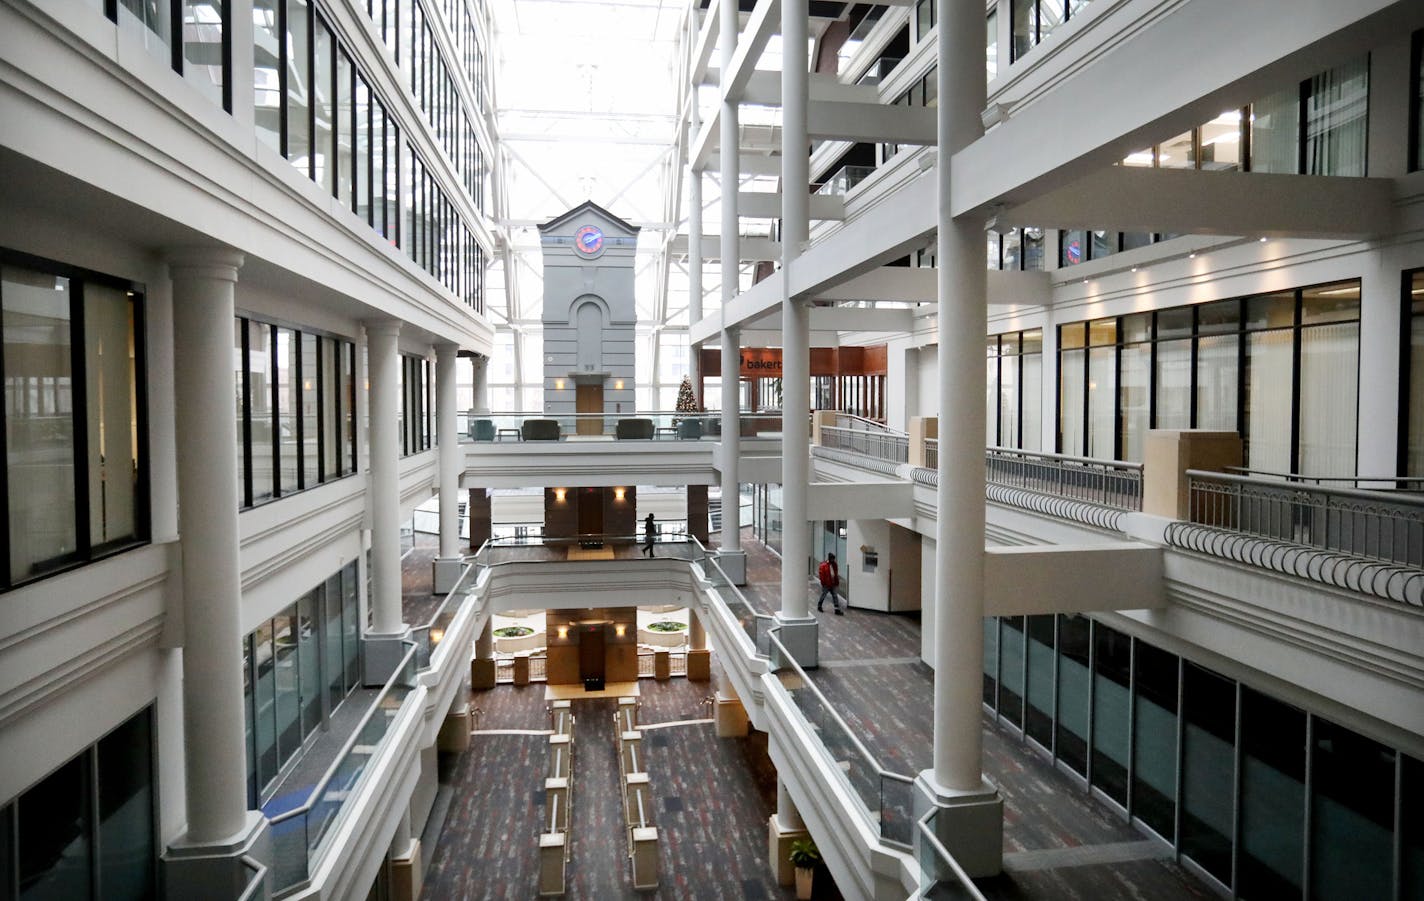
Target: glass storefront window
(1074,691)
(1112,679)
(1154,739)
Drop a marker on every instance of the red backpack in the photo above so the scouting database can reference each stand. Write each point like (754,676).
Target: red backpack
(824,573)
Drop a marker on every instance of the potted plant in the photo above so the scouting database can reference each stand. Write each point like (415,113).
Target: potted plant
(804,857)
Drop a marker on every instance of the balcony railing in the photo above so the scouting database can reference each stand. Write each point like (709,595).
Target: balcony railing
(662,425)
(866,436)
(299,835)
(887,797)
(1110,483)
(845,178)
(427,637)
(941,876)
(1385,526)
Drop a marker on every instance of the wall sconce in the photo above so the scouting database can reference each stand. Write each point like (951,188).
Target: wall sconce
(560,494)
(618,494)
(436,636)
(620,630)
(559,384)
(563,632)
(618,385)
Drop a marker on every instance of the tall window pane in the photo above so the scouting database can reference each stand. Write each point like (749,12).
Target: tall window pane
(126,842)
(333,657)
(1102,400)
(991,398)
(1351,814)
(289,399)
(1337,119)
(1011,248)
(1071,377)
(1414,462)
(378,165)
(1154,732)
(266,75)
(1033,249)
(392,188)
(1022,22)
(1329,368)
(1133,365)
(1268,382)
(1074,645)
(289,727)
(363,149)
(151,21)
(1217,382)
(1032,380)
(112,402)
(351,625)
(324,109)
(39,420)
(308,661)
(299,84)
(259,404)
(239,364)
(1038,714)
(203,46)
(1011,668)
(1271,859)
(1275,126)
(330,399)
(345,131)
(53,832)
(1112,674)
(1208,769)
(1221,142)
(348,406)
(991,661)
(264,704)
(1009,397)
(311,448)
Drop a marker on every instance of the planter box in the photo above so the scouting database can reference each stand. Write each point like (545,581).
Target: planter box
(523,643)
(663,639)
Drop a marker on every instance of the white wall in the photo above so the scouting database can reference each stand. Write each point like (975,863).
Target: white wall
(871,589)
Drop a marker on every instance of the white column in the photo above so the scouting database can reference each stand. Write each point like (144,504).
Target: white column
(385,478)
(963,322)
(481,384)
(786,813)
(728,153)
(446,416)
(795,323)
(204,284)
(694,240)
(696,632)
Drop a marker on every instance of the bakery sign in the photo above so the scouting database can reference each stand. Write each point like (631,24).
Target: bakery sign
(761,362)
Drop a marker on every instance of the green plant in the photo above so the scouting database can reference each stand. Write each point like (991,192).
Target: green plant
(666,625)
(804,853)
(513,631)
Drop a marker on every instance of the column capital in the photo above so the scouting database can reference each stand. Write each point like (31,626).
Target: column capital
(221,263)
(388,328)
(447,349)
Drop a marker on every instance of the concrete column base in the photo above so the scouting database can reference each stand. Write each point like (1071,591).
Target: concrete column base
(521,670)
(454,735)
(482,672)
(970,824)
(216,870)
(779,839)
(662,666)
(802,638)
(699,666)
(734,564)
(447,573)
(731,717)
(380,655)
(407,875)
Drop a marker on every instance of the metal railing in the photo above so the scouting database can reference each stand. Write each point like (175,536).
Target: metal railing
(256,881)
(931,453)
(298,834)
(1380,483)
(660,425)
(1387,526)
(866,436)
(647,663)
(671,544)
(427,637)
(887,797)
(1111,483)
(844,178)
(941,876)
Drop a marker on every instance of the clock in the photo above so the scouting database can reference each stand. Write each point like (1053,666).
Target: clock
(588,240)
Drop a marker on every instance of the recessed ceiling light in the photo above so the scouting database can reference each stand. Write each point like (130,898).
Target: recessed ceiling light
(1263,240)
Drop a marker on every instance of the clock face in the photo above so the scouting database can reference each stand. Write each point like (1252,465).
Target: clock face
(588,240)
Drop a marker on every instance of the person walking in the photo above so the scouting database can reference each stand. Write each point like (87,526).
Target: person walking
(830,577)
(649,530)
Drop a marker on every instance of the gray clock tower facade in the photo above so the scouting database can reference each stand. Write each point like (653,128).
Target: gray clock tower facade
(589,314)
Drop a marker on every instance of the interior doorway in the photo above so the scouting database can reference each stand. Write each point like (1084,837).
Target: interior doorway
(589,399)
(590,512)
(591,655)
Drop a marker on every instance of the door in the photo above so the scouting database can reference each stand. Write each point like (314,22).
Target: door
(590,511)
(589,399)
(590,652)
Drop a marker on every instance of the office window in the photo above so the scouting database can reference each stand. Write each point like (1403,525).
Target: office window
(345,131)
(1413,420)
(1033,259)
(299,84)
(127,850)
(1072,397)
(991,413)
(1275,132)
(1031,387)
(1102,388)
(324,108)
(1112,679)
(308,405)
(1416,107)
(74,418)
(1173,376)
(1134,383)
(991,45)
(1271,860)
(1033,20)
(1208,770)
(152,22)
(1336,120)
(1011,669)
(203,24)
(1217,374)
(289,405)
(991,662)
(363,149)
(261,443)
(1329,377)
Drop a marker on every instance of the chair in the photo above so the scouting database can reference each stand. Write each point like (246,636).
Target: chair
(540,430)
(482,430)
(635,429)
(689,429)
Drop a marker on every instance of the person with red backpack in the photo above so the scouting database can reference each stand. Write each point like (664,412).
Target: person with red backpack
(830,577)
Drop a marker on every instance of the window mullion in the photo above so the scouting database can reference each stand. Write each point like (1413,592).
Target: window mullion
(79,411)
